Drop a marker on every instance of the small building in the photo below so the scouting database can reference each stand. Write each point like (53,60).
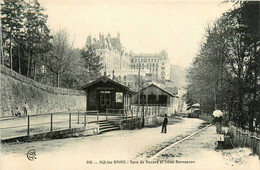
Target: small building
(105,93)
(194,110)
(155,97)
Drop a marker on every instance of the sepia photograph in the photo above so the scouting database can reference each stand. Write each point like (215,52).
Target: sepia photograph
(130,84)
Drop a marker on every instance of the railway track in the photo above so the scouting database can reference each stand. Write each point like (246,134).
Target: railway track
(160,152)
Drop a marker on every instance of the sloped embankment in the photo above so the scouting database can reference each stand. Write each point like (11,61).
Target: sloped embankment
(17,89)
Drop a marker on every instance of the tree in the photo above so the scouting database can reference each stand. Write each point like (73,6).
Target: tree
(227,65)
(37,35)
(59,57)
(12,24)
(25,35)
(207,75)
(74,75)
(92,63)
(245,60)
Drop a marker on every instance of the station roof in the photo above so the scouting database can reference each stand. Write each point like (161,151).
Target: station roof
(105,79)
(161,88)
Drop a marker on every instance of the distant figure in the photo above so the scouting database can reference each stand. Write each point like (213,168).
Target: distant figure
(17,112)
(165,122)
(25,107)
(219,124)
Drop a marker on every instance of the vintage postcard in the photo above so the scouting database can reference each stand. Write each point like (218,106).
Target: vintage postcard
(130,84)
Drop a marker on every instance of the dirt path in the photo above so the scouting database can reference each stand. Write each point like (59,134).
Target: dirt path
(198,152)
(118,145)
(127,149)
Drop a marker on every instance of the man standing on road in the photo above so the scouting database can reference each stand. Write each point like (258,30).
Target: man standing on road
(165,122)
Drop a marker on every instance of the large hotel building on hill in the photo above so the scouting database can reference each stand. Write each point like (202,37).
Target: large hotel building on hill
(113,55)
(123,66)
(156,64)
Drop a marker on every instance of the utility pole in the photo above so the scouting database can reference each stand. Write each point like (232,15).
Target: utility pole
(138,87)
(143,105)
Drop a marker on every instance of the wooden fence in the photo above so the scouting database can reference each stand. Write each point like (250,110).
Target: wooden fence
(245,138)
(34,124)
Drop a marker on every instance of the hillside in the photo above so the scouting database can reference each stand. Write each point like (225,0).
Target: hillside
(178,75)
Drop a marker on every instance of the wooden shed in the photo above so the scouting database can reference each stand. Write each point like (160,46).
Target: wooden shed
(105,93)
(155,97)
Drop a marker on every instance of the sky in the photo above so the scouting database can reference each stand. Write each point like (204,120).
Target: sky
(145,26)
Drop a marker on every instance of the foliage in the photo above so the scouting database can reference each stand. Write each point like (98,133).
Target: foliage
(91,64)
(12,24)
(225,72)
(25,35)
(59,57)
(28,48)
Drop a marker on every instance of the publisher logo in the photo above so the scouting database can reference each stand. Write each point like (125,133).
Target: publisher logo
(31,155)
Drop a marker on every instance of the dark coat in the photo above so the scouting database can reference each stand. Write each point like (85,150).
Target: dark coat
(165,121)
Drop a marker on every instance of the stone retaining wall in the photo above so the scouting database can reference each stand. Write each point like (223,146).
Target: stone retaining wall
(17,89)
(136,123)
(153,121)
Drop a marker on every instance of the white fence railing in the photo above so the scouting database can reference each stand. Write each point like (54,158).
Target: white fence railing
(153,109)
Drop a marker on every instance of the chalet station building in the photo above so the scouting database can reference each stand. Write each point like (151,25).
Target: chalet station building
(105,93)
(154,98)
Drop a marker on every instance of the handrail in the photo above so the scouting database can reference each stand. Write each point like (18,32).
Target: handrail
(53,113)
(145,105)
(50,116)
